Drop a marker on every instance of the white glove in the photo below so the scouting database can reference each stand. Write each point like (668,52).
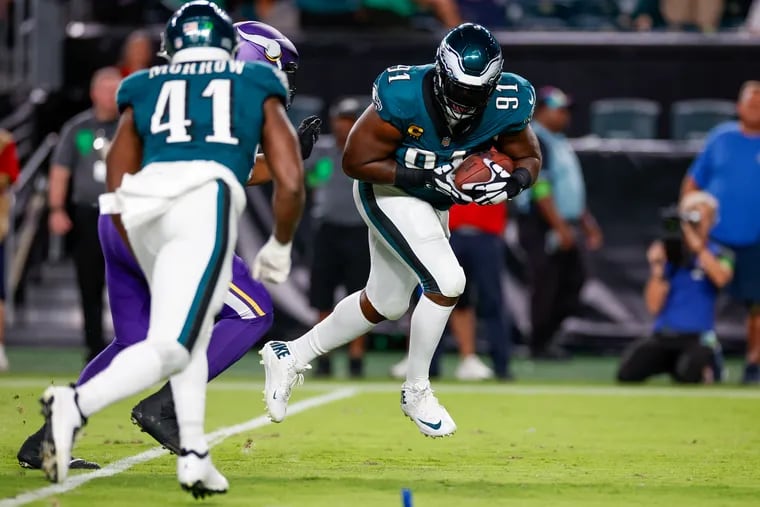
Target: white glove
(493,191)
(443,181)
(272,264)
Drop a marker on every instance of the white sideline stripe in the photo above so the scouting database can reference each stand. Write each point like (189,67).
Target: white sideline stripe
(474,388)
(642,391)
(214,438)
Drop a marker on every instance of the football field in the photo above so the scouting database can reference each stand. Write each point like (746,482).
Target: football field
(347,444)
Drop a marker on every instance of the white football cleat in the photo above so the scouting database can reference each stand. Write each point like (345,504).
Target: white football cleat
(421,406)
(398,370)
(282,372)
(472,368)
(63,420)
(198,475)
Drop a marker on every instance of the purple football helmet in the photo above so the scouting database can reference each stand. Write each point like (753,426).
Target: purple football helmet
(260,42)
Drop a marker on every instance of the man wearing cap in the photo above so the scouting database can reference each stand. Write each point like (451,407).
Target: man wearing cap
(552,217)
(341,251)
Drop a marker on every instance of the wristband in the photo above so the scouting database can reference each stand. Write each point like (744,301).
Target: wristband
(523,177)
(412,177)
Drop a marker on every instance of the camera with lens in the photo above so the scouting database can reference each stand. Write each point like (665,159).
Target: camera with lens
(672,236)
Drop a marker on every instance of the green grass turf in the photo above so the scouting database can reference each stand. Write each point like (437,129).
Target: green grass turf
(516,446)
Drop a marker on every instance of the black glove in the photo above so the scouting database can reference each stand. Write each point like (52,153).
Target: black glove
(308,133)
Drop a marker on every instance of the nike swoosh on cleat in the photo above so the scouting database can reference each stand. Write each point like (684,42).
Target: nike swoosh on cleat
(435,426)
(274,395)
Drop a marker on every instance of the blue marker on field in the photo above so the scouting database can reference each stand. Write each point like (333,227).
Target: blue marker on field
(406,497)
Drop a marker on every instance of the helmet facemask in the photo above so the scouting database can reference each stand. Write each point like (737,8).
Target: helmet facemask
(290,69)
(460,101)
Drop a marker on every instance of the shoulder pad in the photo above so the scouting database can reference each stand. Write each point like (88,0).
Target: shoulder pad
(396,93)
(267,78)
(514,100)
(129,89)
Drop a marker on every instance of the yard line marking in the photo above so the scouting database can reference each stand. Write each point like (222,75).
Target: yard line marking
(214,438)
(718,391)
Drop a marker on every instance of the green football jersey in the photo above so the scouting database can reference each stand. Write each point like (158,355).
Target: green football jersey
(404,97)
(210,110)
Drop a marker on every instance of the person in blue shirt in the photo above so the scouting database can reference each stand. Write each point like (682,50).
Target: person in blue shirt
(681,294)
(729,168)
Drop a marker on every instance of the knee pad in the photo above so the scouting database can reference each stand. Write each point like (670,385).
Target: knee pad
(173,355)
(391,307)
(451,283)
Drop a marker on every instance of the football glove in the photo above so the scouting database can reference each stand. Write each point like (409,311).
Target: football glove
(500,187)
(308,133)
(443,181)
(272,264)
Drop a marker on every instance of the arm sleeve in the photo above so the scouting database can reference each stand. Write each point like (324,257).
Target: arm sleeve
(271,81)
(65,154)
(724,255)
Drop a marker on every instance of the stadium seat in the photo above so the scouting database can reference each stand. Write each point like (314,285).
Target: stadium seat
(693,119)
(624,118)
(303,106)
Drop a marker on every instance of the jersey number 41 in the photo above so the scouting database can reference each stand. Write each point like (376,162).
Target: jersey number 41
(173,97)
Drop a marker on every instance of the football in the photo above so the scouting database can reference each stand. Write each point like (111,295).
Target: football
(474,170)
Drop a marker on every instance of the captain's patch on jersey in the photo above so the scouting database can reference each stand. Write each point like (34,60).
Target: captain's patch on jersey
(415,131)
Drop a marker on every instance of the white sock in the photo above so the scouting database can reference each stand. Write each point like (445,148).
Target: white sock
(346,322)
(135,369)
(428,322)
(189,392)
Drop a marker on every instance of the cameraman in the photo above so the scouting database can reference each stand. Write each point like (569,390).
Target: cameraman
(685,277)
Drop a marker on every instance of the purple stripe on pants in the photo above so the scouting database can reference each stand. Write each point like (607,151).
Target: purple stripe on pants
(129,296)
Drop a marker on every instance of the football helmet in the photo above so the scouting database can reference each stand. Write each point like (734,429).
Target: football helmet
(260,42)
(199,30)
(467,68)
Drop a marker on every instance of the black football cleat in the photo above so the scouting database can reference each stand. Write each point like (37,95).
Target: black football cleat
(29,455)
(155,416)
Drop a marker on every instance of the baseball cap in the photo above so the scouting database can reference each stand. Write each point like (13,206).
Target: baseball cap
(553,97)
(348,107)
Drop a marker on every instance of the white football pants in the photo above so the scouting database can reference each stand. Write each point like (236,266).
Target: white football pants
(409,246)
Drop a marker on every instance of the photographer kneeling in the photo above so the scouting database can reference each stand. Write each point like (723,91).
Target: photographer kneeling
(686,272)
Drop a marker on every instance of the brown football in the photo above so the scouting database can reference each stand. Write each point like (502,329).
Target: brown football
(474,170)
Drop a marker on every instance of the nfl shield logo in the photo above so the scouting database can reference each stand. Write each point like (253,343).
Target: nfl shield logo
(445,142)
